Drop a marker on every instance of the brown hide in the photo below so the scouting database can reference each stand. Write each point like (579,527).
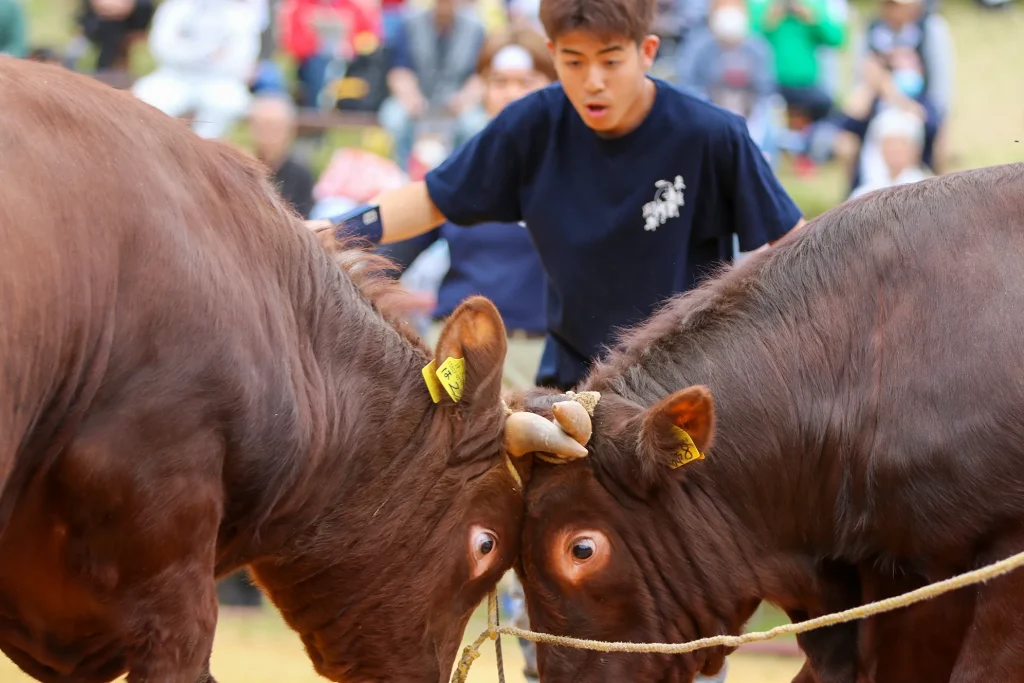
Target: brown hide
(191,384)
(856,393)
(914,644)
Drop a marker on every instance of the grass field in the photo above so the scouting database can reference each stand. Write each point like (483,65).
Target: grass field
(987,127)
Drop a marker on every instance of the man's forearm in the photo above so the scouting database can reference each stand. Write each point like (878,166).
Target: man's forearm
(407,212)
(403,83)
(392,216)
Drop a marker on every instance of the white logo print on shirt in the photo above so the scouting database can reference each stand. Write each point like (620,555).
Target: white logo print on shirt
(668,197)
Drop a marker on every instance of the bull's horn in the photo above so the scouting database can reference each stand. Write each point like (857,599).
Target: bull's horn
(530,433)
(572,417)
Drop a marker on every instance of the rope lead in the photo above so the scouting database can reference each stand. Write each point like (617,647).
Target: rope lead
(494,630)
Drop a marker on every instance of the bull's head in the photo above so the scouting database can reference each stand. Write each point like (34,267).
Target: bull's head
(615,549)
(414,510)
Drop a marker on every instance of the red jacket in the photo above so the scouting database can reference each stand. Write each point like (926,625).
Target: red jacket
(298,35)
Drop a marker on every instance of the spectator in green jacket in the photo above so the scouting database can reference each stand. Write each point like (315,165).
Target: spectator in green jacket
(796,29)
(12,29)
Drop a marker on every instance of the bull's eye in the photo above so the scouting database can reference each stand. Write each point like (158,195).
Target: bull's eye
(583,549)
(484,543)
(483,550)
(578,554)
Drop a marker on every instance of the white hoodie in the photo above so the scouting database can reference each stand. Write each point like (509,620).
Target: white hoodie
(219,38)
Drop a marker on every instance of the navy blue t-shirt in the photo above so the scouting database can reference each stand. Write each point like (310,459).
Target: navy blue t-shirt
(498,261)
(620,224)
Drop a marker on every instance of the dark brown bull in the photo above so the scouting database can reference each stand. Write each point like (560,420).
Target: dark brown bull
(190,384)
(867,420)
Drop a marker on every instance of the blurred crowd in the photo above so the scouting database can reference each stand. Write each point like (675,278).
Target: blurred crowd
(418,65)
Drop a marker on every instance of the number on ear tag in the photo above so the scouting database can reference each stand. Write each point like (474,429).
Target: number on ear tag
(452,374)
(687,452)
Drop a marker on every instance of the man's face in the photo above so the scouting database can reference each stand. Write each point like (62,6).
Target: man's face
(899,153)
(272,129)
(604,78)
(504,86)
(444,13)
(898,14)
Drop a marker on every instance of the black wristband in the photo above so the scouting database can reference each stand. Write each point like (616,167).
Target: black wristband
(363,221)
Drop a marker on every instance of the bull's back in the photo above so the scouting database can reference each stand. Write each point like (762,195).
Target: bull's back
(944,377)
(138,259)
(57,272)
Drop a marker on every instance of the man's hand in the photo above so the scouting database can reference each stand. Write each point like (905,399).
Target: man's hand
(407,211)
(876,76)
(468,96)
(405,87)
(317,224)
(413,102)
(416,303)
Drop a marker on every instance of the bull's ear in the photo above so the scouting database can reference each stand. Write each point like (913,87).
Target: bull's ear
(678,429)
(470,355)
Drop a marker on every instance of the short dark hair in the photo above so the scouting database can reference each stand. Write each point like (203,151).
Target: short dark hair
(630,18)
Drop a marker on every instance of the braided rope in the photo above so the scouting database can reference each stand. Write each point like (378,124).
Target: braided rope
(887,605)
(472,652)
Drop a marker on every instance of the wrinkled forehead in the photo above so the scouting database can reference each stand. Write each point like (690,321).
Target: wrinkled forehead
(491,499)
(534,400)
(565,489)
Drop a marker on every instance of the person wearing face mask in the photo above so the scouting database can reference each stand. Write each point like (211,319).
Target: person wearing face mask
(916,25)
(894,82)
(730,65)
(907,24)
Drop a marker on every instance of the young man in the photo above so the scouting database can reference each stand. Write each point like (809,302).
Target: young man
(630,188)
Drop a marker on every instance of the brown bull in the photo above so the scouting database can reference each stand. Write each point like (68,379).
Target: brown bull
(867,421)
(190,384)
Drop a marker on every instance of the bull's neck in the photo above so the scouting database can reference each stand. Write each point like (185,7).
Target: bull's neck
(359,422)
(764,499)
(376,407)
(767,429)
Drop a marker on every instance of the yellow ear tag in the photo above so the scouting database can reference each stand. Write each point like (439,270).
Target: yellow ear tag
(429,376)
(688,451)
(452,374)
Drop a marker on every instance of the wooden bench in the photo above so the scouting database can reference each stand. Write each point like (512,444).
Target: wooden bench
(310,121)
(316,120)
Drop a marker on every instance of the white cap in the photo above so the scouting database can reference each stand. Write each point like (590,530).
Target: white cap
(513,57)
(895,122)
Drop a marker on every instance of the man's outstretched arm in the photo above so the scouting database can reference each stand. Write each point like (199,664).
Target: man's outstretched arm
(478,183)
(392,216)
